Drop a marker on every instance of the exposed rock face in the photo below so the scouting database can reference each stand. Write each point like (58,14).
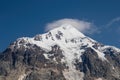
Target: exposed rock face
(57,55)
(32,63)
(96,68)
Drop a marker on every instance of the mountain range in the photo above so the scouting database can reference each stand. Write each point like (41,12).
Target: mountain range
(63,53)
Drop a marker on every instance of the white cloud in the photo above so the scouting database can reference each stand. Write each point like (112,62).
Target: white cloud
(113,21)
(82,26)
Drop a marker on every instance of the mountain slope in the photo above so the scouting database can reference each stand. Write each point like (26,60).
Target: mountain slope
(63,53)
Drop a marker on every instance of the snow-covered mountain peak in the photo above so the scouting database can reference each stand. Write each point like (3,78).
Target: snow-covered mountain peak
(71,43)
(65,36)
(70,40)
(68,31)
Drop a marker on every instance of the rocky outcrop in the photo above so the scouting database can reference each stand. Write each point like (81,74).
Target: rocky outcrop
(95,68)
(32,63)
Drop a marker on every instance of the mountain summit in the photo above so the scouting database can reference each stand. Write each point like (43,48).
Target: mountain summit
(63,53)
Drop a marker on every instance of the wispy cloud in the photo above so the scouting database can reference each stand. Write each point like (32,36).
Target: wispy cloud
(113,26)
(118,30)
(82,26)
(113,21)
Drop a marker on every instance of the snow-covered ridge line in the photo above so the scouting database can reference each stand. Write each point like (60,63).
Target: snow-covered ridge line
(64,36)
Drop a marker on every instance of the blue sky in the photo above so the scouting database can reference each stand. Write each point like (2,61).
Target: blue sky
(20,18)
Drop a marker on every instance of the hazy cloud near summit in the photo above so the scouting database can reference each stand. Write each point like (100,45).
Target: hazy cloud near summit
(82,26)
(113,21)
